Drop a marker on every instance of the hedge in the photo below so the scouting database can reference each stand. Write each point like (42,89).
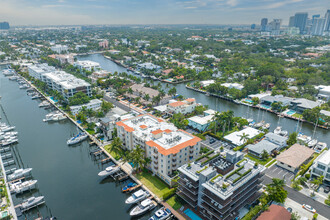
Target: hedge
(235,171)
(244,174)
(211,158)
(205,155)
(169,194)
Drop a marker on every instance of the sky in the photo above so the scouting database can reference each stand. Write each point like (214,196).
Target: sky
(77,12)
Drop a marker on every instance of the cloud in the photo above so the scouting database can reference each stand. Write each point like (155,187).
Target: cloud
(232,3)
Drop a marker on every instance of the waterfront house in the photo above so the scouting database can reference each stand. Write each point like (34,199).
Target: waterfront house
(236,137)
(321,167)
(220,188)
(301,104)
(324,92)
(201,123)
(166,146)
(108,124)
(206,83)
(233,85)
(269,100)
(294,157)
(94,104)
(140,91)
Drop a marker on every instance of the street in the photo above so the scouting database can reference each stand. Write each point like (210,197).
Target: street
(300,198)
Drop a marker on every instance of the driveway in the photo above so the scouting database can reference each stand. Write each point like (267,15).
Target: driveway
(280,173)
(216,144)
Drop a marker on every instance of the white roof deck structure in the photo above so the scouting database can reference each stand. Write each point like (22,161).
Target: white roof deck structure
(235,137)
(66,80)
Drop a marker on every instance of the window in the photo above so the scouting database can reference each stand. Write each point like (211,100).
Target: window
(168,167)
(320,166)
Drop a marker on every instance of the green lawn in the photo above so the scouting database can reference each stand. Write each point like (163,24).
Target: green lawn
(262,162)
(154,183)
(270,163)
(91,131)
(176,202)
(297,115)
(113,154)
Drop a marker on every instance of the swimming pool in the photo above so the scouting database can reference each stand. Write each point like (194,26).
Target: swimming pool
(192,215)
(265,106)
(291,112)
(249,101)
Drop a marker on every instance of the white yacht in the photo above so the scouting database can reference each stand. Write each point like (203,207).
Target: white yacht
(137,197)
(19,173)
(161,214)
(32,202)
(79,138)
(43,104)
(304,138)
(143,207)
(320,146)
(312,143)
(278,130)
(7,128)
(20,187)
(109,171)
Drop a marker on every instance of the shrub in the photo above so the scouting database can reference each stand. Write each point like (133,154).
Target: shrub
(307,175)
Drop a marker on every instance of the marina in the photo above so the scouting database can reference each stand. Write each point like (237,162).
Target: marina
(61,189)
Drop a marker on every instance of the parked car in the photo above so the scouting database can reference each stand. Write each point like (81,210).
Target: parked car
(289,209)
(327,189)
(212,140)
(309,208)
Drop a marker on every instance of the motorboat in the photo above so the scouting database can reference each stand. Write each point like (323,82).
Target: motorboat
(43,104)
(20,187)
(8,72)
(19,173)
(23,86)
(7,128)
(320,146)
(278,130)
(312,143)
(303,138)
(9,142)
(78,138)
(13,78)
(137,196)
(32,202)
(284,133)
(109,171)
(36,97)
(161,214)
(143,207)
(128,187)
(266,126)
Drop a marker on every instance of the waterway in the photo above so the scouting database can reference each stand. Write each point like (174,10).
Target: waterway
(223,105)
(67,176)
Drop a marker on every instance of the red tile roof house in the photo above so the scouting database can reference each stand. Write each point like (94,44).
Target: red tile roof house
(275,212)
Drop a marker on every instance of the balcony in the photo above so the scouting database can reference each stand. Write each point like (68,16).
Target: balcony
(191,151)
(155,151)
(184,179)
(187,199)
(174,165)
(156,162)
(211,210)
(216,198)
(191,147)
(193,191)
(188,193)
(156,157)
(173,160)
(156,167)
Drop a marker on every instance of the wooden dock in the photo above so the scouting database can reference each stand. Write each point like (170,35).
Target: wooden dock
(106,160)
(135,187)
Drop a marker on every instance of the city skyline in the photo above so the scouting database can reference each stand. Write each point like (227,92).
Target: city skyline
(70,12)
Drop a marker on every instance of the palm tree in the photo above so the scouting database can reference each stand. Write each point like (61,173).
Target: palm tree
(130,90)
(115,145)
(138,157)
(244,137)
(217,119)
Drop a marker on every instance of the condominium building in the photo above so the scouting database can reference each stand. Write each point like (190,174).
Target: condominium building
(322,167)
(87,65)
(222,186)
(166,146)
(38,70)
(184,107)
(66,84)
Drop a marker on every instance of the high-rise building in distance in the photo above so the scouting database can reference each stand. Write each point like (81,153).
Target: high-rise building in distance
(4,25)
(291,21)
(300,20)
(264,23)
(318,27)
(327,21)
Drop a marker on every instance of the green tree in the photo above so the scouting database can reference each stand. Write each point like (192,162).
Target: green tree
(264,155)
(276,190)
(292,139)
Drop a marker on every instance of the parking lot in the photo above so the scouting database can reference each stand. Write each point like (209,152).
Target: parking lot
(215,144)
(280,173)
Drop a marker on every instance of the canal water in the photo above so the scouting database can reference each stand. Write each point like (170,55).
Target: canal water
(223,105)
(67,176)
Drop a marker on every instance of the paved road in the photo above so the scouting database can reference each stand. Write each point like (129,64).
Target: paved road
(115,102)
(300,198)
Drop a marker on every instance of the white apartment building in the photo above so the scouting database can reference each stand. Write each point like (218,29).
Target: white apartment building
(184,107)
(66,84)
(94,104)
(322,167)
(38,70)
(59,48)
(166,146)
(87,65)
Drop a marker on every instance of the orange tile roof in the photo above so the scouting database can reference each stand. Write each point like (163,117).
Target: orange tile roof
(176,149)
(190,100)
(143,126)
(275,212)
(158,131)
(126,127)
(176,104)
(167,131)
